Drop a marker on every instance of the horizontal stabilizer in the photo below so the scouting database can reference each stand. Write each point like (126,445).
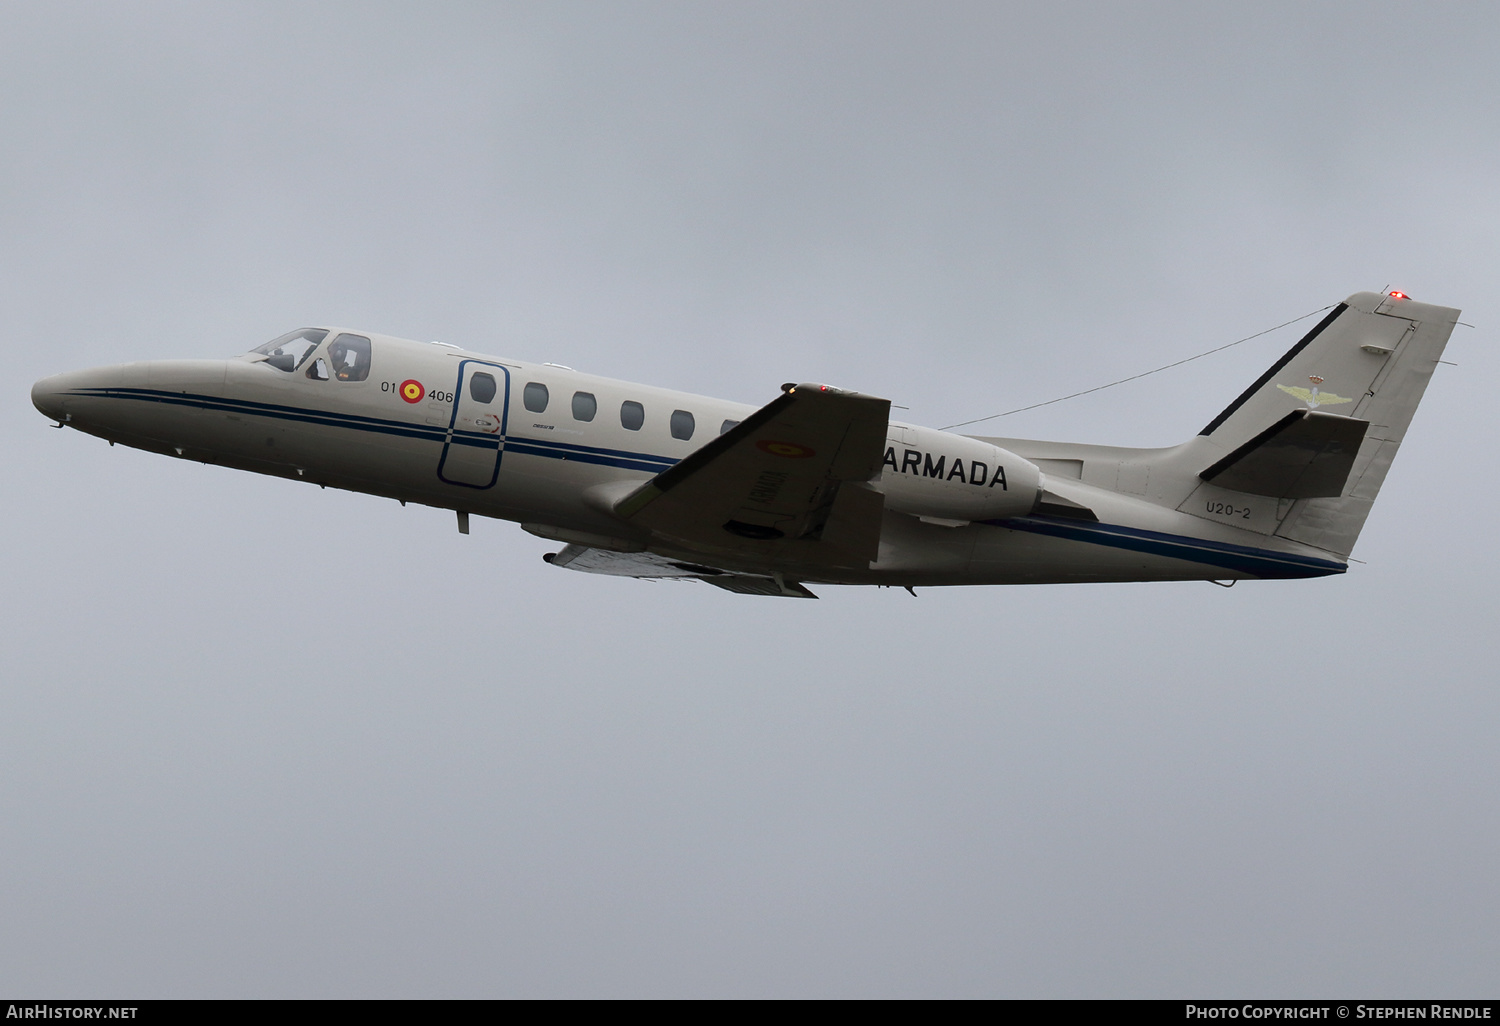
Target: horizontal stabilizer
(1305,455)
(1053,505)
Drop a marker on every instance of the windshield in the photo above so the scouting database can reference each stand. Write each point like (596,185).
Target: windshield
(287,352)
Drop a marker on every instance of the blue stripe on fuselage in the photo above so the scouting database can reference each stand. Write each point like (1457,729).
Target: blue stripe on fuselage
(544,447)
(1265,563)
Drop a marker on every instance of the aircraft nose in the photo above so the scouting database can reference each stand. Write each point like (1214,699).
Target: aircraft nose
(47,395)
(63,396)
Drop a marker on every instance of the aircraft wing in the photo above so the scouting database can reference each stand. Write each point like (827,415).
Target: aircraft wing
(789,485)
(651,566)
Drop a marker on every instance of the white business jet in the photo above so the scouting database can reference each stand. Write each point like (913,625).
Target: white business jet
(817,486)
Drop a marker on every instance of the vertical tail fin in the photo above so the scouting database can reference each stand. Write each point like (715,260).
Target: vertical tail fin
(1369,360)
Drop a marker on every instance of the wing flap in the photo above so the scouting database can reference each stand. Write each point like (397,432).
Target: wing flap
(613,563)
(653,566)
(747,584)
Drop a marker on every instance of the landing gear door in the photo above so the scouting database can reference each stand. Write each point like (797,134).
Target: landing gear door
(476,435)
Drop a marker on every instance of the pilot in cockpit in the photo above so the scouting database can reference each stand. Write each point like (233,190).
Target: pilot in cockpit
(345,360)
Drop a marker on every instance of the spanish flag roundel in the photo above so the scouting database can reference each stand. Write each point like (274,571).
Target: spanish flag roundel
(790,450)
(412,390)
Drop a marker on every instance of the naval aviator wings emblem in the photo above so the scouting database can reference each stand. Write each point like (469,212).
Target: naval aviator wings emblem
(1312,397)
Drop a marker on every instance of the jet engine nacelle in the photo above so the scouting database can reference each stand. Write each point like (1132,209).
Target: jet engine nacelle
(942,476)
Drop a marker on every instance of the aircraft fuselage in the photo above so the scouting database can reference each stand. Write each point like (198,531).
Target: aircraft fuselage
(555,450)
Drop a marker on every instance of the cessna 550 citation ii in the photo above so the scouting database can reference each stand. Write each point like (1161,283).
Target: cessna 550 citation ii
(817,486)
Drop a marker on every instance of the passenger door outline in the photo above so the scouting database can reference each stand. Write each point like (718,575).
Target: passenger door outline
(468,444)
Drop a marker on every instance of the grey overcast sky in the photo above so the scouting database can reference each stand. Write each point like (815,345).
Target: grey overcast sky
(259,739)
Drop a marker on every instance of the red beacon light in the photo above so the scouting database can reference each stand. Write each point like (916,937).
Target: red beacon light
(1399,295)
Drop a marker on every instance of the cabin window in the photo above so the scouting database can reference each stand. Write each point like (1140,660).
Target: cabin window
(535,396)
(318,370)
(632,415)
(350,357)
(287,352)
(482,387)
(682,424)
(727,425)
(584,406)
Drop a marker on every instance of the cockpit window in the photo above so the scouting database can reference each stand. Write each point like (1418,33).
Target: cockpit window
(287,352)
(350,356)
